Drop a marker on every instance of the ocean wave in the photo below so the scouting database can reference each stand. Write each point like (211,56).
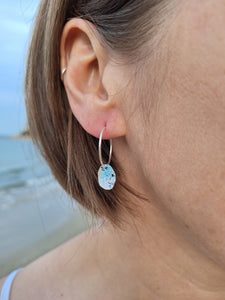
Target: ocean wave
(32,189)
(23,177)
(39,181)
(5,170)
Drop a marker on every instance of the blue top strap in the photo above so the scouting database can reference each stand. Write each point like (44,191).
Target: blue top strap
(6,289)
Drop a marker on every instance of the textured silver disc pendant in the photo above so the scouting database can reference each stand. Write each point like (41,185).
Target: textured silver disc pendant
(106,177)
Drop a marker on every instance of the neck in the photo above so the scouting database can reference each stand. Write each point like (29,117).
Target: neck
(159,260)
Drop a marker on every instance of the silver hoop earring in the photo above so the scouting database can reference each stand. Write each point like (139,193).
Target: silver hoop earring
(106,174)
(62,73)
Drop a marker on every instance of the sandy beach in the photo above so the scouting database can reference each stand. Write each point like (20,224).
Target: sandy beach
(45,225)
(42,229)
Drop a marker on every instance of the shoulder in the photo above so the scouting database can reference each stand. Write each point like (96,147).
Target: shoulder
(52,275)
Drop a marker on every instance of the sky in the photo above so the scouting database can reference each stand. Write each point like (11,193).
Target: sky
(16,20)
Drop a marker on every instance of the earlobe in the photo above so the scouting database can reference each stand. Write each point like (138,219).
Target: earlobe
(85,61)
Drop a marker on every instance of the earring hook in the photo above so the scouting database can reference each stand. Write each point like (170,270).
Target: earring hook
(100,148)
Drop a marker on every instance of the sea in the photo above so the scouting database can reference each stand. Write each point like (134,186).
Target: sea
(21,169)
(36,215)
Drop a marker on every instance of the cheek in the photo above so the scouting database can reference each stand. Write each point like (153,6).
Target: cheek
(188,157)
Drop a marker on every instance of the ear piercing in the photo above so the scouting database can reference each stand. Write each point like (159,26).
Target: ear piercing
(63,72)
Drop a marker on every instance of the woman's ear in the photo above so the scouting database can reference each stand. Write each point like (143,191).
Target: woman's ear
(88,88)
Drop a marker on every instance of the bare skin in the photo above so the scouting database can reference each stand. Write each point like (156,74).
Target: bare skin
(176,249)
(131,269)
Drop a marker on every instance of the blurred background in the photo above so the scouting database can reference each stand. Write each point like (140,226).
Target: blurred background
(36,215)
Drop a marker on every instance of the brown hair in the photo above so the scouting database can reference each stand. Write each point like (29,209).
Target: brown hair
(72,154)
